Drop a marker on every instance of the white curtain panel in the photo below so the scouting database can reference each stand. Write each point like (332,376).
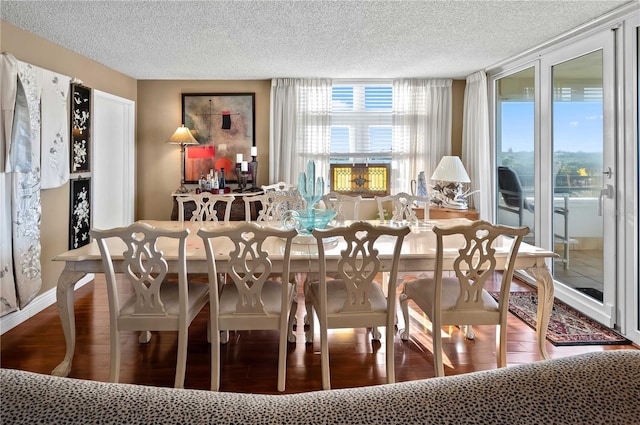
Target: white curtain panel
(421,128)
(476,145)
(300,128)
(282,137)
(314,126)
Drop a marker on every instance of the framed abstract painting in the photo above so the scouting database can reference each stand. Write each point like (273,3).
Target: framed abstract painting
(224,125)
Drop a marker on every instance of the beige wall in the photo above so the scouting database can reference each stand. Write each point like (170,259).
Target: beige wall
(159,113)
(55,202)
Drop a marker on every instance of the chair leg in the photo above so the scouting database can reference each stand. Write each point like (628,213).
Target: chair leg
(437,349)
(114,364)
(291,336)
(282,361)
(181,363)
(501,346)
(324,358)
(309,321)
(404,306)
(308,318)
(391,370)
(215,359)
(376,334)
(468,331)
(144,337)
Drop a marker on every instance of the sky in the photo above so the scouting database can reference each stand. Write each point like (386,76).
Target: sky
(577,126)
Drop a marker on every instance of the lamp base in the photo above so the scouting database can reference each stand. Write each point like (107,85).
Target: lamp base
(449,195)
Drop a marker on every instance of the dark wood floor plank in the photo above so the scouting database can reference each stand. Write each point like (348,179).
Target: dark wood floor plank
(249,360)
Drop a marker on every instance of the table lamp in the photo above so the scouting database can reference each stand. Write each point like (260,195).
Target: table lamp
(449,176)
(182,137)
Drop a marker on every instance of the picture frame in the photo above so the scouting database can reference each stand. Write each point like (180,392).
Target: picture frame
(224,126)
(80,128)
(79,212)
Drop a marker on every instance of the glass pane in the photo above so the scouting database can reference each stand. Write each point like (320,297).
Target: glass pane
(515,124)
(578,135)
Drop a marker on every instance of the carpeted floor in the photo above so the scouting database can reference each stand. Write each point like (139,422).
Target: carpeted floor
(566,326)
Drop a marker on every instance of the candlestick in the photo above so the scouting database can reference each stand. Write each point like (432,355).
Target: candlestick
(243,181)
(253,170)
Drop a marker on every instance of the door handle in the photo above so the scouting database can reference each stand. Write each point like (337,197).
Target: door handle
(607,191)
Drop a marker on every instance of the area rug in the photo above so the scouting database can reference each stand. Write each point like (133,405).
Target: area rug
(566,325)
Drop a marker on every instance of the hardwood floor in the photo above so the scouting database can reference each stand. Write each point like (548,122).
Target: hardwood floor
(249,360)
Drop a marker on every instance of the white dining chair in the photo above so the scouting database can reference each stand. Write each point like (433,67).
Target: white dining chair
(205,206)
(272,205)
(278,187)
(402,207)
(354,299)
(463,297)
(253,300)
(156,304)
(347,207)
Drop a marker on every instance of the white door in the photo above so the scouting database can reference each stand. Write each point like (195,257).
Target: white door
(629,295)
(579,173)
(113,160)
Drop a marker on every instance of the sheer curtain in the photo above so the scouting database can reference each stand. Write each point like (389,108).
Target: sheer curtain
(476,146)
(421,128)
(300,128)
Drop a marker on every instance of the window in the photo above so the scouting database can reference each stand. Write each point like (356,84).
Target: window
(361,122)
(405,124)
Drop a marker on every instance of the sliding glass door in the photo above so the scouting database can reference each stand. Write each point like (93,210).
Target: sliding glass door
(515,148)
(630,291)
(556,166)
(580,142)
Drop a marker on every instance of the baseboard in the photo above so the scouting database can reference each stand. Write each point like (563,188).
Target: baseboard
(39,303)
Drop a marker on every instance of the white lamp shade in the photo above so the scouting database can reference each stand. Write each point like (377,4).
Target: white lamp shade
(182,136)
(450,169)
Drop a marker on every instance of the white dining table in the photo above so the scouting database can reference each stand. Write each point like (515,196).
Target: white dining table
(418,253)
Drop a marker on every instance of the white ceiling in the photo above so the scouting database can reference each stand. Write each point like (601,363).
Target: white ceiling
(226,40)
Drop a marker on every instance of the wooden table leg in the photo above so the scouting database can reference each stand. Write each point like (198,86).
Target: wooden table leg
(65,297)
(545,305)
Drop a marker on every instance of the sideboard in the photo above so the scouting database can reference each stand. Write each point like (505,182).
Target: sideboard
(437,213)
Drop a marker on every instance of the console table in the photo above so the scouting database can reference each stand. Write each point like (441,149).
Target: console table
(437,213)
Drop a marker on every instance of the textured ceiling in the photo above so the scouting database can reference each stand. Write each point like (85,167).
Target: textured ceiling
(302,39)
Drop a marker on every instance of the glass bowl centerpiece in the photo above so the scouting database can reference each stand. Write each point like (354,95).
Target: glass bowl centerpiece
(311,190)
